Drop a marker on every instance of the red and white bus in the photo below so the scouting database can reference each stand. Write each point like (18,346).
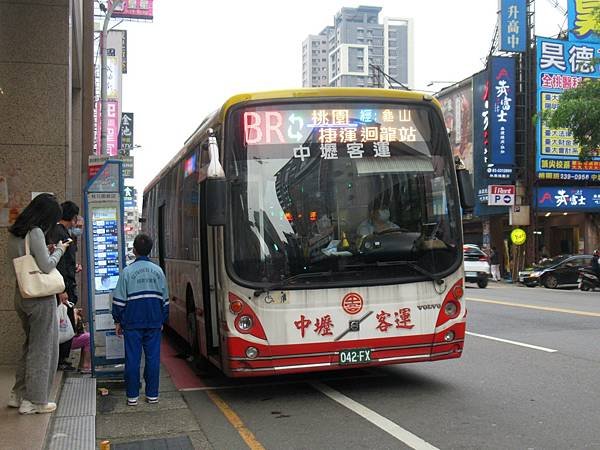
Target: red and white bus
(312,230)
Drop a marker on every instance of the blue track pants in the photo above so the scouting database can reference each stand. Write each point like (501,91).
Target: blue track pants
(135,340)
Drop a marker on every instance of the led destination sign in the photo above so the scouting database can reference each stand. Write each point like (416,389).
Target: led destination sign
(371,123)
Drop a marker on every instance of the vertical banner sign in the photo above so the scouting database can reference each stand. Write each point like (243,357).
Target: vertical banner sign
(126,133)
(112,127)
(583,25)
(105,249)
(502,118)
(123,51)
(114,51)
(562,65)
(481,146)
(513,25)
(457,107)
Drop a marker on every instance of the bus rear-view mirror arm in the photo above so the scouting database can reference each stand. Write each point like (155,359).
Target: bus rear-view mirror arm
(465,186)
(215,185)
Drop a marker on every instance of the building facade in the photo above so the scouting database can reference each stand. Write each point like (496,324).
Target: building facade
(358,50)
(46,110)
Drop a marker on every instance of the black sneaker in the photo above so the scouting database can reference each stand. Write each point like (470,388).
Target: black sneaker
(66,367)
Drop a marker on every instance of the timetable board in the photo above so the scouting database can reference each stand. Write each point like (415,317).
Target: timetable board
(105,245)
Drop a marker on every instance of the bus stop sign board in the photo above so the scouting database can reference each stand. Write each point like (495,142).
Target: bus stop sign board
(105,250)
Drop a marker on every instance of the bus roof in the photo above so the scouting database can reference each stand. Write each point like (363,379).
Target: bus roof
(391,94)
(299,93)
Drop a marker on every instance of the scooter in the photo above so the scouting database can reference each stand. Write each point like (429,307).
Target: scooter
(588,280)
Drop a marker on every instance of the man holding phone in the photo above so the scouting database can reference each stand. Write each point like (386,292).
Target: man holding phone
(68,267)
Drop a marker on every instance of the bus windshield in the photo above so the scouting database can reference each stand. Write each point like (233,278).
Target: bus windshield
(334,193)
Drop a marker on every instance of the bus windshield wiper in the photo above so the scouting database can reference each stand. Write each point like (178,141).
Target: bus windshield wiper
(413,266)
(285,281)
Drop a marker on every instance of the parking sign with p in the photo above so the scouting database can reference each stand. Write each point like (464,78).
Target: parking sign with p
(501,195)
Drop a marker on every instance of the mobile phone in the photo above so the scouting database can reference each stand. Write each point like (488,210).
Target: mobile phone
(68,241)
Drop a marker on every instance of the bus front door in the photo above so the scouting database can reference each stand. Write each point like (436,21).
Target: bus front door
(208,236)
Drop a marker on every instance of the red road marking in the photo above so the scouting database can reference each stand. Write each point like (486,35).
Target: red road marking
(182,375)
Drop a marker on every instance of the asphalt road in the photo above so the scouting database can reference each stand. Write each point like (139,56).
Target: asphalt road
(527,380)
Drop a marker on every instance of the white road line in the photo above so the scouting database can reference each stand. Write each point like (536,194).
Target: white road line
(378,420)
(521,344)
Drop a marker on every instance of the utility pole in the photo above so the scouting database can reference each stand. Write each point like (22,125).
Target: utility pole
(103,75)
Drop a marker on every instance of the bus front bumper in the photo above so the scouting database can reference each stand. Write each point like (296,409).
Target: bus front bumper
(297,358)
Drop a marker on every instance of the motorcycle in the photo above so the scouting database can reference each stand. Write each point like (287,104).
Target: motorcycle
(588,280)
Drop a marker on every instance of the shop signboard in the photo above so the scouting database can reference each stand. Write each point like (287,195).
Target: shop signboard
(583,24)
(513,25)
(133,9)
(481,146)
(518,236)
(502,117)
(568,199)
(562,65)
(126,133)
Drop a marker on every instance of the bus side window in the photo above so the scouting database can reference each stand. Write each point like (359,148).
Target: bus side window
(190,208)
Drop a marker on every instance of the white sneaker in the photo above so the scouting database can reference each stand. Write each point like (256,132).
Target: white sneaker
(34,408)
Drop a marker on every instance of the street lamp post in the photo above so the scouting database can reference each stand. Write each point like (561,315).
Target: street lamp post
(103,75)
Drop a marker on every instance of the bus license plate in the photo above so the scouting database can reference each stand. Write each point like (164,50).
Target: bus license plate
(355,356)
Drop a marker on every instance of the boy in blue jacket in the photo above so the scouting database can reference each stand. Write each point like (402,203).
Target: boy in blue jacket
(140,307)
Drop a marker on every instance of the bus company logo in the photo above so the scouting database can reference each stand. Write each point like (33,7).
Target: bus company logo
(436,306)
(352,303)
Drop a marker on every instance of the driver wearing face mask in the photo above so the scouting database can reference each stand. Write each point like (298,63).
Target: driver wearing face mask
(378,221)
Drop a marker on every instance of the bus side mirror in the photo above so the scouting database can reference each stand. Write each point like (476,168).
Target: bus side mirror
(465,188)
(216,189)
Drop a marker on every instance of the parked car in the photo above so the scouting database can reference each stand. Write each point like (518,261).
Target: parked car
(559,271)
(477,265)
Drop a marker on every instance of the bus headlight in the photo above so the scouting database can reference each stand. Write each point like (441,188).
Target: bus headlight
(449,336)
(251,352)
(245,323)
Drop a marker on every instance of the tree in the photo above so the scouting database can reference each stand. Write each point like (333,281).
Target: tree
(579,110)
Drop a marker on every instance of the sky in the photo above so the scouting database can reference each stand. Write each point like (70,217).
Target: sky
(196,54)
